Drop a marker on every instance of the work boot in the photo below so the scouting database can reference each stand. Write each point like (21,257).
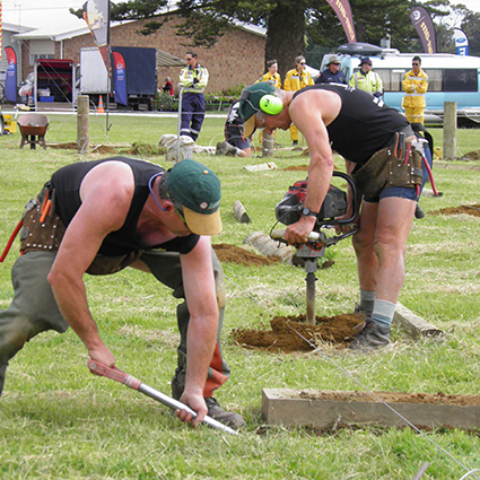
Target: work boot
(221,148)
(419,213)
(230,419)
(359,309)
(373,335)
(295,143)
(224,148)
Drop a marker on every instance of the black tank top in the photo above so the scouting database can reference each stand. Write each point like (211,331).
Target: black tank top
(66,182)
(363,126)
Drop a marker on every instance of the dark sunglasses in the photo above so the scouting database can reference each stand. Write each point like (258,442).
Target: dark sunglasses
(415,64)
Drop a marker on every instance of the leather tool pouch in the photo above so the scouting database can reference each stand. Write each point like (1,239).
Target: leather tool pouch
(38,236)
(385,169)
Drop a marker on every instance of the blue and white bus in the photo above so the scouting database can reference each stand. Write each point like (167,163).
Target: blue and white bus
(451,78)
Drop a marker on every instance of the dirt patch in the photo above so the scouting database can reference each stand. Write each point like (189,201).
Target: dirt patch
(234,254)
(296,168)
(475,155)
(467,209)
(63,146)
(393,397)
(101,149)
(282,337)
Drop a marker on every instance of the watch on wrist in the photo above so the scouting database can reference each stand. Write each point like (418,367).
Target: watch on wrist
(306,212)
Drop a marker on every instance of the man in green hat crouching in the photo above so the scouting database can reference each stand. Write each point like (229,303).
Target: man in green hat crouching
(101,216)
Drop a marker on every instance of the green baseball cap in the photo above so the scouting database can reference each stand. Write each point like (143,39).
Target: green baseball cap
(250,104)
(197,188)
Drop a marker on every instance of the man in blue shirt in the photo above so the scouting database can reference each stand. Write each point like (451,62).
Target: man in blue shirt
(332,74)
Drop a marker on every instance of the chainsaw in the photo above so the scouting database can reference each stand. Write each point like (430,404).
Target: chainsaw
(335,205)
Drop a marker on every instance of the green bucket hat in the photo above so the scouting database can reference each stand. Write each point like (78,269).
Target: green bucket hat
(250,104)
(197,188)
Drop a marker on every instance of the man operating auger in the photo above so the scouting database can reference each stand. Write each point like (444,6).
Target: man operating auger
(386,159)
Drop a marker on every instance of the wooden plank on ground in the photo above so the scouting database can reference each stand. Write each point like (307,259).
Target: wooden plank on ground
(416,326)
(325,409)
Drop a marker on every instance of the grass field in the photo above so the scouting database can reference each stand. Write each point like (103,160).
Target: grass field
(59,422)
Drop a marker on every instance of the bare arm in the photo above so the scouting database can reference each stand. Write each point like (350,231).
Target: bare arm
(309,113)
(106,195)
(200,293)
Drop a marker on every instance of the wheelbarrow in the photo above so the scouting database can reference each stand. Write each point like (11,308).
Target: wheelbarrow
(33,127)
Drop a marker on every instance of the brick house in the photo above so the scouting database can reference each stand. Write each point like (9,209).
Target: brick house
(236,59)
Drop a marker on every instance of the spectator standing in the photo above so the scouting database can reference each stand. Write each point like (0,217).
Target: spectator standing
(415,85)
(366,79)
(272,75)
(168,87)
(297,79)
(194,79)
(332,74)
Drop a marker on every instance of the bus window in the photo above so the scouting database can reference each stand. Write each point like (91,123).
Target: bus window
(435,80)
(391,79)
(464,80)
(397,79)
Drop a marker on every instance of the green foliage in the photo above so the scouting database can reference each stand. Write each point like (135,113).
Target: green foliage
(471,26)
(165,103)
(205,21)
(57,421)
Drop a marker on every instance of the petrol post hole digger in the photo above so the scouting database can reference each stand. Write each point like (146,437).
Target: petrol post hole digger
(289,210)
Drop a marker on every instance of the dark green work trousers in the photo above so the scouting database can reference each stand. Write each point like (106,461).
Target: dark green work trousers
(34,310)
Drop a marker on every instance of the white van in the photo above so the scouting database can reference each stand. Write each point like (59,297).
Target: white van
(451,78)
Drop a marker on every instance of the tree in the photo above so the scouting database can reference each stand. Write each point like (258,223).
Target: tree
(471,26)
(374,20)
(287,23)
(207,20)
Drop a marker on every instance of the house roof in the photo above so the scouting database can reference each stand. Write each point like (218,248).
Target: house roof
(166,60)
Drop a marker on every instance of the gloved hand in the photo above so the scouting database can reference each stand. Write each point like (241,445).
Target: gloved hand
(195,81)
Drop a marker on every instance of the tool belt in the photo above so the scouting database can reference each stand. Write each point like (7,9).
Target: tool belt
(398,165)
(43,231)
(42,228)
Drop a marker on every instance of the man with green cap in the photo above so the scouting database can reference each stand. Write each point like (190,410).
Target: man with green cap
(385,158)
(101,216)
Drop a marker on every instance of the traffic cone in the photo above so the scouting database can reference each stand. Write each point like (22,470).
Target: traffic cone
(100,105)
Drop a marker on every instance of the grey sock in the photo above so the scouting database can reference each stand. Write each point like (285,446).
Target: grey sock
(383,312)
(367,301)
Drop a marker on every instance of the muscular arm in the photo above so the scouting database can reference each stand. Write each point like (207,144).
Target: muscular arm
(199,284)
(106,194)
(312,112)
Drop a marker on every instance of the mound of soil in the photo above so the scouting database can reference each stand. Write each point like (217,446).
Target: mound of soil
(234,254)
(475,155)
(282,337)
(467,209)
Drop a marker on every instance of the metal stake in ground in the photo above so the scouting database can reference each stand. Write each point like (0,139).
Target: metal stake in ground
(122,377)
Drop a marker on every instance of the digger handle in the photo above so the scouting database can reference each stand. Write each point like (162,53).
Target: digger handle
(118,375)
(279,235)
(113,373)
